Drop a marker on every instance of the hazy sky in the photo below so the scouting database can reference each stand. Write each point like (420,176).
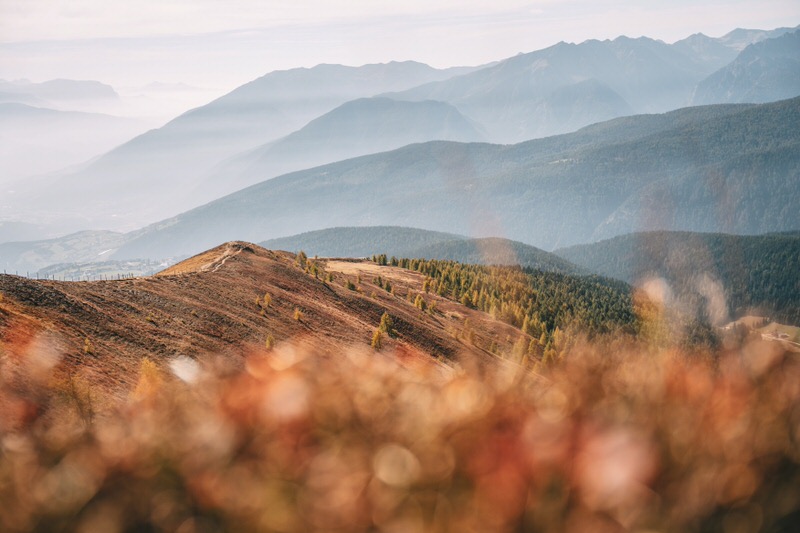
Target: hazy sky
(221,44)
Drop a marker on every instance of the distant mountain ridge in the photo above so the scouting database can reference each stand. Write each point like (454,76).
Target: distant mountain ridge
(157,173)
(58,91)
(358,127)
(741,38)
(421,244)
(669,171)
(511,99)
(361,241)
(763,72)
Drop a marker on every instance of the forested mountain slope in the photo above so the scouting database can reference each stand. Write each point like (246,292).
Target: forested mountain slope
(754,272)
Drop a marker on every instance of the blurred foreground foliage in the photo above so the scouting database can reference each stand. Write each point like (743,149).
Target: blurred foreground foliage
(614,436)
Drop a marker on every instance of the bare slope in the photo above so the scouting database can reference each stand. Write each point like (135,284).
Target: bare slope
(214,303)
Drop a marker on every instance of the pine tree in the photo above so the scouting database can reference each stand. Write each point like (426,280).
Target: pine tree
(518,352)
(466,301)
(533,346)
(377,340)
(387,325)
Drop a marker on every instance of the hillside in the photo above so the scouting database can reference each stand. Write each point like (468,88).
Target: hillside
(213,303)
(496,251)
(749,273)
(361,241)
(417,243)
(720,168)
(359,127)
(763,72)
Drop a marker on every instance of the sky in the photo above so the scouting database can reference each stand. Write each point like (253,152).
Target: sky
(218,45)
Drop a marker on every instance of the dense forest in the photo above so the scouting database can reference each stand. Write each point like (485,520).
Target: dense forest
(756,273)
(540,303)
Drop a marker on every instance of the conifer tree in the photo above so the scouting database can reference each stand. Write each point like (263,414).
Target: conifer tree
(387,325)
(377,340)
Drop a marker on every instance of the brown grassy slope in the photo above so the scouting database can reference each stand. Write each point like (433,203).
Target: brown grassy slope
(208,305)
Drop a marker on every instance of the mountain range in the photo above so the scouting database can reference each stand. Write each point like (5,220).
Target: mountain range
(358,127)
(263,128)
(764,72)
(539,294)
(159,171)
(57,93)
(722,168)
(715,168)
(567,86)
